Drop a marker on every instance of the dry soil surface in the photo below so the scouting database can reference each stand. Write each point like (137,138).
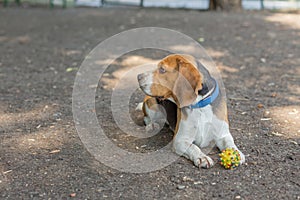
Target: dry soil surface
(42,157)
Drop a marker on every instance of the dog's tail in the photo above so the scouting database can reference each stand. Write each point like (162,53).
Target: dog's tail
(139,106)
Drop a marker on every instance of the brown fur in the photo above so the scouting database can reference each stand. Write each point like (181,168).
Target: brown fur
(181,80)
(150,102)
(220,109)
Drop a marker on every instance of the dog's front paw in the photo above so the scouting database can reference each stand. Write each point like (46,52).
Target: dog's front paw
(243,159)
(204,162)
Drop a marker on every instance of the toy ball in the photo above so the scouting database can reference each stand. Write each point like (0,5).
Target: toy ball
(230,158)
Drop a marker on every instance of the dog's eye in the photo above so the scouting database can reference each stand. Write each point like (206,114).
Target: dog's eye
(162,70)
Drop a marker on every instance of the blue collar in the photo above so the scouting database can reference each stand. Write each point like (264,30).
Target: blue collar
(214,93)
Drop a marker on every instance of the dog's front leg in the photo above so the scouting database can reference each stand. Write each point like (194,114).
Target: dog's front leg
(225,140)
(154,117)
(183,145)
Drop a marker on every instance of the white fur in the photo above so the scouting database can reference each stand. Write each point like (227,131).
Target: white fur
(139,107)
(199,129)
(155,118)
(146,82)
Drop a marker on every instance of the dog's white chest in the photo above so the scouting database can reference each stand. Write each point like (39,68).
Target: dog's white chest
(202,119)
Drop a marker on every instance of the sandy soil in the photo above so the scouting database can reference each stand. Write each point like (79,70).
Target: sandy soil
(42,157)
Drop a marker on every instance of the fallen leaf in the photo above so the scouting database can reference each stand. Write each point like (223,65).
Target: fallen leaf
(260,105)
(198,182)
(201,39)
(185,178)
(54,151)
(294,142)
(73,195)
(274,94)
(276,134)
(265,119)
(8,171)
(70,69)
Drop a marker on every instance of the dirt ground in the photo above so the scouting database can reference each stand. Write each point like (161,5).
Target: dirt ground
(42,157)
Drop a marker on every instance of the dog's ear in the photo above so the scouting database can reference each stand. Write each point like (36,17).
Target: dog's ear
(187,84)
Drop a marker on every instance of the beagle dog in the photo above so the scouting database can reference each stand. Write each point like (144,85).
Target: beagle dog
(190,101)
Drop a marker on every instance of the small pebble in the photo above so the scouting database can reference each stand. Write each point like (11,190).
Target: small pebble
(180,187)
(263,60)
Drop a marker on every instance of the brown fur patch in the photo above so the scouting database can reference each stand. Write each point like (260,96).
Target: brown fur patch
(178,77)
(220,108)
(149,101)
(180,80)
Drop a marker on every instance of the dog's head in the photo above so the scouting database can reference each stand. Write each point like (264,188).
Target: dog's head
(177,77)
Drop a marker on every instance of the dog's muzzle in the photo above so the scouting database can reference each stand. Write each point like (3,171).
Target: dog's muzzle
(145,82)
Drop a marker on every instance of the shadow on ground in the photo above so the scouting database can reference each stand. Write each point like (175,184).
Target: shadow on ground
(41,155)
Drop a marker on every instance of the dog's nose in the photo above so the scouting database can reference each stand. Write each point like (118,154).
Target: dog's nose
(139,77)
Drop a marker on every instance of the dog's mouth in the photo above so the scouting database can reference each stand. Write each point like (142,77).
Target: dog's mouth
(143,88)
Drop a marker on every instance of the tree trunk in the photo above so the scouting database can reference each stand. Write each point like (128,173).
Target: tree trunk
(225,4)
